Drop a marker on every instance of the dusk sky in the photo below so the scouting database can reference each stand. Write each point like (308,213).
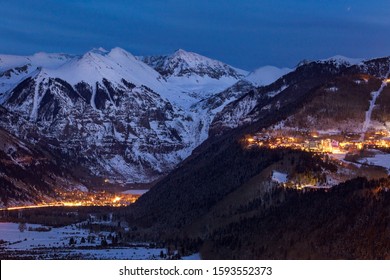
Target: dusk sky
(246,34)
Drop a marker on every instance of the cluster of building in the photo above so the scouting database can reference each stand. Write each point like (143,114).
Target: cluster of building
(79,198)
(99,198)
(314,142)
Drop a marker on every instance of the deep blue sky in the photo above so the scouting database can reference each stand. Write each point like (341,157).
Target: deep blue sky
(245,33)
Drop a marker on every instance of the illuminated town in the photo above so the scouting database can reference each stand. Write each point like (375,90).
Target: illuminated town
(337,146)
(77,198)
(320,143)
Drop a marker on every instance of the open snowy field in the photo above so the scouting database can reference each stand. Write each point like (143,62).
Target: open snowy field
(56,244)
(377,159)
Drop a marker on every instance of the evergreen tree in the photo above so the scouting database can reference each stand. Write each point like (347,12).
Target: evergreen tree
(22,227)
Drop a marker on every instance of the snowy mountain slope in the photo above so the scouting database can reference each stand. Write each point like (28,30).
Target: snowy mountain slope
(37,60)
(113,65)
(14,69)
(208,108)
(130,133)
(334,94)
(266,75)
(183,63)
(342,60)
(195,74)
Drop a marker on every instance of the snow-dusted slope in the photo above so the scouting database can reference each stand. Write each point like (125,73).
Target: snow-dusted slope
(266,75)
(194,74)
(183,63)
(37,60)
(113,65)
(14,69)
(331,94)
(342,60)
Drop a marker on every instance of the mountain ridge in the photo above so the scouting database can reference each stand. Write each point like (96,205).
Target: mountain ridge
(115,116)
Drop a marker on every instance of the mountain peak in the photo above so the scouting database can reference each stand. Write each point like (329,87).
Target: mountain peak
(180,52)
(121,53)
(266,75)
(340,59)
(100,50)
(183,63)
(194,59)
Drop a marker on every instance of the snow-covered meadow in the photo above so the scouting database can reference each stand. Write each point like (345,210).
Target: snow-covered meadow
(55,244)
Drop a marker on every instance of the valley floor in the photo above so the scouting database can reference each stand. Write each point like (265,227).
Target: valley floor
(55,244)
(98,235)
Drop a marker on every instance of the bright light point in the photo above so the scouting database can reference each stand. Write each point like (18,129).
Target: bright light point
(72,204)
(116,199)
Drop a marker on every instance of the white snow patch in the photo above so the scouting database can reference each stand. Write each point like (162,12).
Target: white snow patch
(274,93)
(279,177)
(367,120)
(332,89)
(379,159)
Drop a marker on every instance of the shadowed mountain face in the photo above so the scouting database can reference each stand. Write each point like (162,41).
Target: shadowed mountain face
(350,221)
(28,172)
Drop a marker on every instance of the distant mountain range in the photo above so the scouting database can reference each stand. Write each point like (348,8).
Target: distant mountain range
(109,114)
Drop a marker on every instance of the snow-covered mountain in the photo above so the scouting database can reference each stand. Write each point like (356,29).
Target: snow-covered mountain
(195,74)
(266,75)
(183,63)
(328,94)
(14,69)
(110,112)
(103,109)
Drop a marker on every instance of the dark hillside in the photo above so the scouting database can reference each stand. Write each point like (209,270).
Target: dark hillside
(351,221)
